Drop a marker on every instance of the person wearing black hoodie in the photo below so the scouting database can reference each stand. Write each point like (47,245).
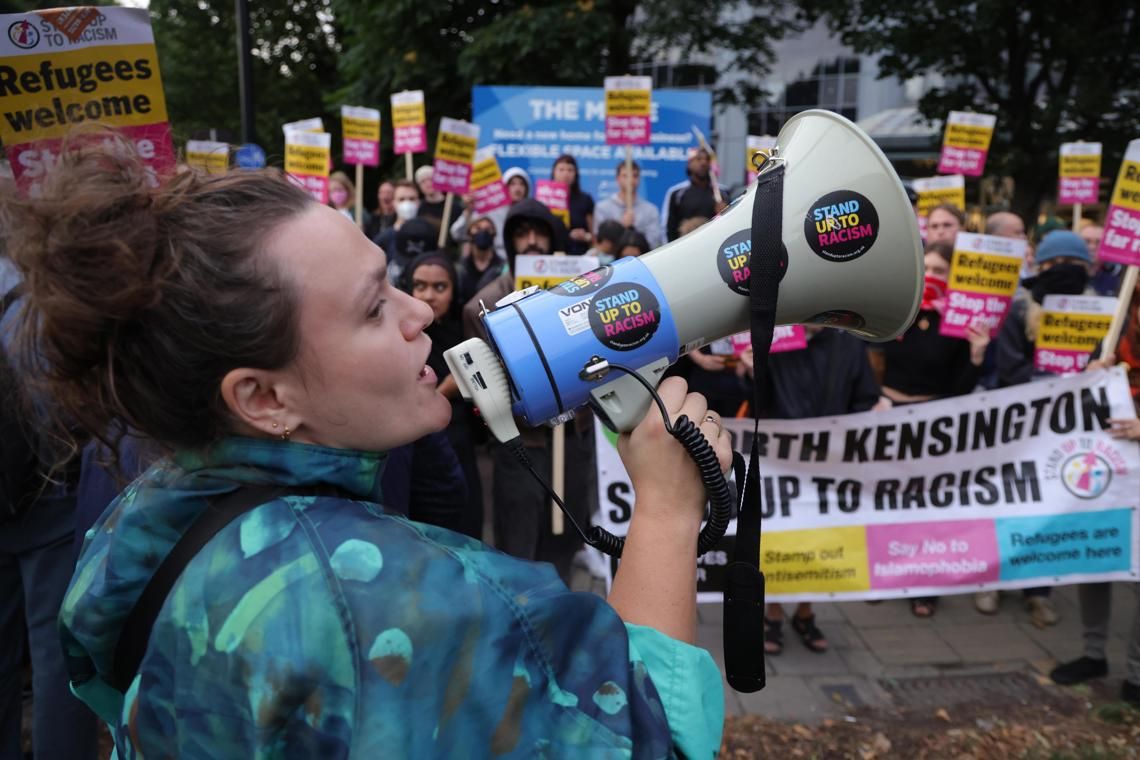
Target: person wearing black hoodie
(521,507)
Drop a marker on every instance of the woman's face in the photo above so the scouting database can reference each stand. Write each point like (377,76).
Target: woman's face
(564,172)
(432,285)
(360,380)
(517,189)
(629,251)
(936,266)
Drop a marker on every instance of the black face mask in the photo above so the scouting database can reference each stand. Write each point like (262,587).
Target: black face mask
(483,239)
(1063,279)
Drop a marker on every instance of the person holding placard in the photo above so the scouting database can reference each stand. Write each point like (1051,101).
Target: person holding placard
(693,197)
(923,365)
(642,216)
(432,201)
(581,205)
(481,265)
(252,332)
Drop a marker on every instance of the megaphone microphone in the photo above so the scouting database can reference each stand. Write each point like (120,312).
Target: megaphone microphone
(827,204)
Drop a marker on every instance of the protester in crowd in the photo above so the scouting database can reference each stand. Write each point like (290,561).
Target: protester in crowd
(432,201)
(522,523)
(944,222)
(641,216)
(1096,598)
(481,265)
(923,365)
(609,235)
(342,196)
(37,520)
(385,215)
(1064,267)
(518,183)
(1106,274)
(1010,225)
(253,334)
(415,237)
(832,376)
(436,283)
(690,224)
(581,204)
(406,205)
(692,197)
(632,243)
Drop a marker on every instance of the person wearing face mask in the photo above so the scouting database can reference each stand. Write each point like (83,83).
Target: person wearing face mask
(406,204)
(922,365)
(1063,268)
(481,264)
(342,196)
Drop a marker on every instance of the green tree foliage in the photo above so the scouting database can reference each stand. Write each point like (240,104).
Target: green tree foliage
(1052,70)
(295,51)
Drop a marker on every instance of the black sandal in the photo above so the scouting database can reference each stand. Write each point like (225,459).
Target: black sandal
(773,636)
(924,606)
(809,634)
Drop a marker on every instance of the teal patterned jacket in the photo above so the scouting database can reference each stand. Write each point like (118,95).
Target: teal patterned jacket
(321,627)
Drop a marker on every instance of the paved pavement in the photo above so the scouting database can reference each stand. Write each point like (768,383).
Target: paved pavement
(876,646)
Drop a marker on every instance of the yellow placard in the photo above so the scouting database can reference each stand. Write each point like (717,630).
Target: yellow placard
(457,148)
(1070,331)
(627,102)
(44,96)
(968,136)
(815,561)
(985,273)
(544,282)
(308,160)
(1127,191)
(928,199)
(409,115)
(360,129)
(484,173)
(212,162)
(1080,166)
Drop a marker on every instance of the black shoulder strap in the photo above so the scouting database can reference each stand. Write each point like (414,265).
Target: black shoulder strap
(744,583)
(222,510)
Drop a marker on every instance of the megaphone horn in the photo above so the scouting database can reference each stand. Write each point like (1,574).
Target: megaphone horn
(854,261)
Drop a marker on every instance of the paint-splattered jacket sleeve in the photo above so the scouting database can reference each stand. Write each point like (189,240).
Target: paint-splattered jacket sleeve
(326,628)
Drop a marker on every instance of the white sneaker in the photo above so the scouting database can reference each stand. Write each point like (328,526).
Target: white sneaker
(986,602)
(1042,613)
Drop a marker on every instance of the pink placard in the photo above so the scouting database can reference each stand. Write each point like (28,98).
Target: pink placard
(1060,361)
(357,151)
(409,139)
(318,187)
(926,554)
(1121,240)
(32,160)
(450,176)
(491,196)
(788,338)
(1078,189)
(968,161)
(627,130)
(556,197)
(964,309)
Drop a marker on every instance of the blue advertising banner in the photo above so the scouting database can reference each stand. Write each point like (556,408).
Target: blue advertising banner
(532,126)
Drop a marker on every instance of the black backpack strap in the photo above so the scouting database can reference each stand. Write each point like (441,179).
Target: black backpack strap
(222,510)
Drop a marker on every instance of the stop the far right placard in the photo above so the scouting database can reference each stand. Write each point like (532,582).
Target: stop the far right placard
(1121,240)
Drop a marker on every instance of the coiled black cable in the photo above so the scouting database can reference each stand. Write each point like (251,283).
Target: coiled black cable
(693,441)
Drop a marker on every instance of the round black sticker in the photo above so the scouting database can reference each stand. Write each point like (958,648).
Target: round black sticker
(841,226)
(624,316)
(732,260)
(583,284)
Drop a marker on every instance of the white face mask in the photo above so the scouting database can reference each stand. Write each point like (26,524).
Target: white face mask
(407,209)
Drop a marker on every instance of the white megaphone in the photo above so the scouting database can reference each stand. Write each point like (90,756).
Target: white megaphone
(854,261)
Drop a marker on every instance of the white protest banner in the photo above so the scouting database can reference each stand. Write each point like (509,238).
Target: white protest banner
(966,143)
(487,182)
(984,273)
(208,156)
(1013,488)
(361,131)
(454,154)
(1071,328)
(67,66)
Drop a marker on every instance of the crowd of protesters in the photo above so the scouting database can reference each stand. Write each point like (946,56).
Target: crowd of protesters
(439,479)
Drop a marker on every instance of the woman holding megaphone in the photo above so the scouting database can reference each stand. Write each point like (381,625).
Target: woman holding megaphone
(249,595)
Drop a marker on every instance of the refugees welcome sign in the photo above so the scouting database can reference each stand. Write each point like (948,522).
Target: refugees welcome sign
(1009,489)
